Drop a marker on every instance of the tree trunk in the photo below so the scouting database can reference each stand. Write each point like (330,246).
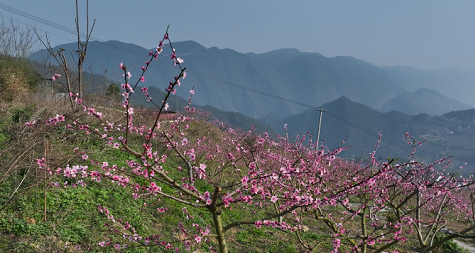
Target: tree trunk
(218,225)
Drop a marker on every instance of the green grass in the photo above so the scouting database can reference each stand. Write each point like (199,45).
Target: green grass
(73,218)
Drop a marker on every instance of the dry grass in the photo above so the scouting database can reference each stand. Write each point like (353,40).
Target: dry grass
(13,85)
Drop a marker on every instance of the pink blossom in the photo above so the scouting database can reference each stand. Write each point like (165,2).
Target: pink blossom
(207,197)
(192,92)
(142,78)
(345,202)
(55,76)
(184,141)
(197,239)
(336,245)
(68,172)
(30,124)
(201,171)
(244,180)
(154,187)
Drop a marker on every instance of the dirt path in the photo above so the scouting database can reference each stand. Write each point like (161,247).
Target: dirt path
(466,246)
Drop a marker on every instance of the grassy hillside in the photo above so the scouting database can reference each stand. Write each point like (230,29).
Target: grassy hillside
(93,176)
(43,211)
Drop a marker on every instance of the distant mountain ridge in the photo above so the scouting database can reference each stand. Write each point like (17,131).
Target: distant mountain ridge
(423,100)
(361,98)
(454,83)
(359,125)
(218,76)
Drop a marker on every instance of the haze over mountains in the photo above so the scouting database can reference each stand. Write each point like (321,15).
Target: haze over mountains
(449,134)
(286,85)
(218,76)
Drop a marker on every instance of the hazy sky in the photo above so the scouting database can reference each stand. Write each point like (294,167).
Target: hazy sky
(423,34)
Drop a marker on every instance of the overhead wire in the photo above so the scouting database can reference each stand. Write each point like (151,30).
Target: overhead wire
(210,77)
(72,31)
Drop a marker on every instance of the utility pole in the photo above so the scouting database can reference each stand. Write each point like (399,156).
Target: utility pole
(319,125)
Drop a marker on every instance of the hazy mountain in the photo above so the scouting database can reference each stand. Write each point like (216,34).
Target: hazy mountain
(356,124)
(423,100)
(453,83)
(210,72)
(350,89)
(322,79)
(229,80)
(235,119)
(359,125)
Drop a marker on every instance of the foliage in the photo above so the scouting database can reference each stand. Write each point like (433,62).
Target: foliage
(23,115)
(177,182)
(113,92)
(215,175)
(450,246)
(17,75)
(17,78)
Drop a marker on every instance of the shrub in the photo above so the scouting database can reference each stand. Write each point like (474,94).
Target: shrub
(113,92)
(17,78)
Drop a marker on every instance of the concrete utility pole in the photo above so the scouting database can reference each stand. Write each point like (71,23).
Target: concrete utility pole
(319,125)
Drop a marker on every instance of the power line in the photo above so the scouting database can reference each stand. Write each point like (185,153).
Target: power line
(75,32)
(33,27)
(72,31)
(63,28)
(250,89)
(139,54)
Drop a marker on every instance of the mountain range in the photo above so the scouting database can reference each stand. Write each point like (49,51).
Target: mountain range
(284,81)
(286,86)
(450,134)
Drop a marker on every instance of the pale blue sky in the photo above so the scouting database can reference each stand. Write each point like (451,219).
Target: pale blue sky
(422,34)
